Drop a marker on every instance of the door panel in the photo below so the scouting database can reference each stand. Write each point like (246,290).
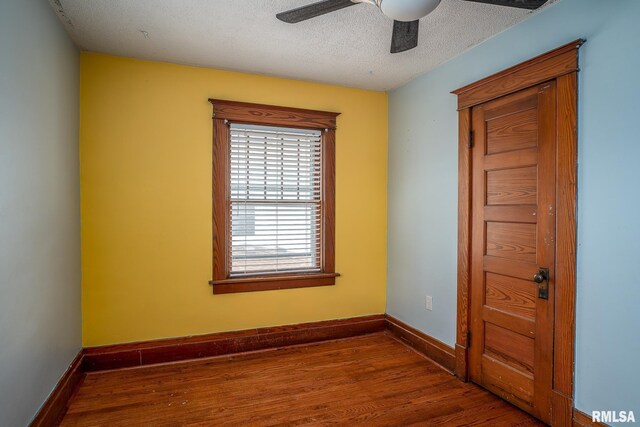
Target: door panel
(513,296)
(511,384)
(509,347)
(513,132)
(512,237)
(511,240)
(515,186)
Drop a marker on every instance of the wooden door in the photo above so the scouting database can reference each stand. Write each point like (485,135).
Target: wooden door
(512,238)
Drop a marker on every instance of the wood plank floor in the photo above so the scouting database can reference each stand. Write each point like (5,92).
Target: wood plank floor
(373,380)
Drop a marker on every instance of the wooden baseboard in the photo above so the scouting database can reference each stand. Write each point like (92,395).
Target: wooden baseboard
(55,406)
(218,344)
(580,419)
(435,350)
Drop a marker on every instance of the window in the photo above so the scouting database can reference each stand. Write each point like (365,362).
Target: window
(273,197)
(276,204)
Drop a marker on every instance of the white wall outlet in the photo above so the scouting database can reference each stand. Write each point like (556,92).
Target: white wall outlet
(429,303)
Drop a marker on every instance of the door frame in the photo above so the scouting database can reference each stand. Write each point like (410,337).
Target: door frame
(561,65)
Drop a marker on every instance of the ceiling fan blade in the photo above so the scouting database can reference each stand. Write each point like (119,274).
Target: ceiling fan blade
(522,4)
(312,10)
(405,36)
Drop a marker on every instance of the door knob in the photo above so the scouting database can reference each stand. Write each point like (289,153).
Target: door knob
(539,277)
(542,279)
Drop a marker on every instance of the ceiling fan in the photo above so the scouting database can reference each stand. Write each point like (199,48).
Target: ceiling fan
(405,14)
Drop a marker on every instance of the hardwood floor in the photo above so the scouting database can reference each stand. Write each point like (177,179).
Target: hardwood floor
(371,380)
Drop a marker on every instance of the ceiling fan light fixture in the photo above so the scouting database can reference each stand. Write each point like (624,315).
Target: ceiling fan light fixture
(407,10)
(406,15)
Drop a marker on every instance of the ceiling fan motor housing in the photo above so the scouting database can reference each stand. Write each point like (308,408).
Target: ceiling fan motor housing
(407,10)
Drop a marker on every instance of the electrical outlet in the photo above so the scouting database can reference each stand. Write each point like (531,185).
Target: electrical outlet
(429,303)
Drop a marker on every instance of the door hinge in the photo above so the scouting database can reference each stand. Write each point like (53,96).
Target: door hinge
(470,143)
(468,339)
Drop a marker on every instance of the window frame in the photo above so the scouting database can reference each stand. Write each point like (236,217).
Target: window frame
(226,112)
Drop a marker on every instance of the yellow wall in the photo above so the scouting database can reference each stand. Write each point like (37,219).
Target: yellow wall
(145,152)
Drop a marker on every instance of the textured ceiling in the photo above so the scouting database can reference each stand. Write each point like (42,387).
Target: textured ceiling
(349,47)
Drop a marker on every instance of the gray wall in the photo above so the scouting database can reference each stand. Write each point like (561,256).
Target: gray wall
(423,189)
(40,323)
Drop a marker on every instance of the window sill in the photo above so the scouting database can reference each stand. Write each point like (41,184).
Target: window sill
(270,283)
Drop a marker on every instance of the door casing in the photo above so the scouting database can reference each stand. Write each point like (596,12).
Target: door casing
(559,65)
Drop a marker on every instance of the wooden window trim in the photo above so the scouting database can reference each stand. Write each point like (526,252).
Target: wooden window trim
(560,65)
(226,112)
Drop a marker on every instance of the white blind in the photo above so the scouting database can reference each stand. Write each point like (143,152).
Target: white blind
(275,200)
